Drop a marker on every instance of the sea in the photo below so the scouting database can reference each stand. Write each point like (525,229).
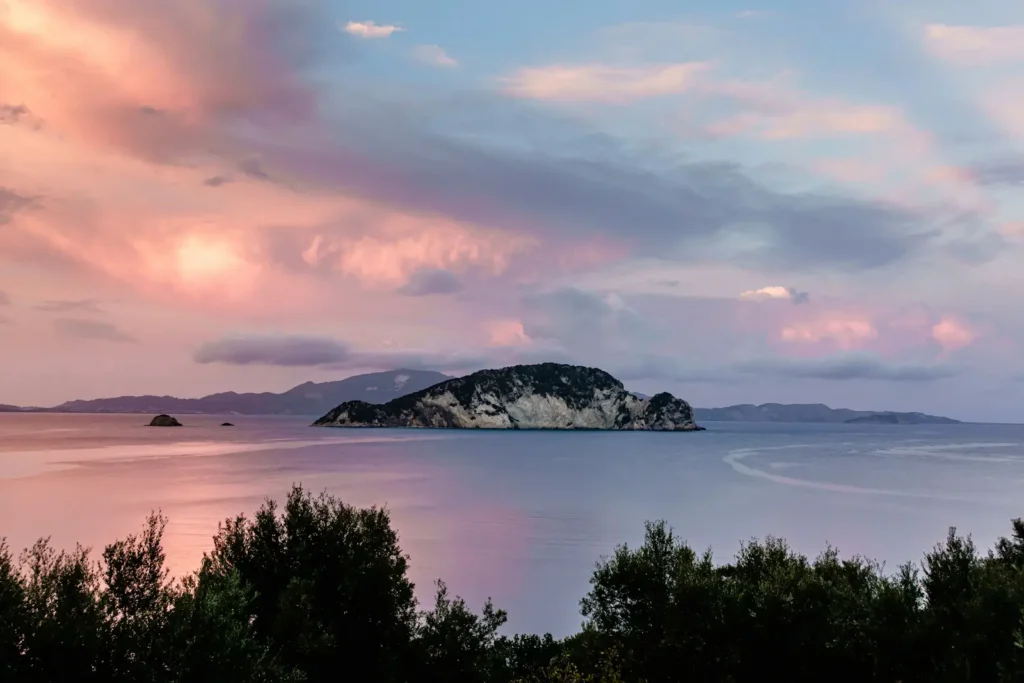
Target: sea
(518,516)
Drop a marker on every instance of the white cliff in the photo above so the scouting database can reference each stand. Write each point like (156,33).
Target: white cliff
(545,396)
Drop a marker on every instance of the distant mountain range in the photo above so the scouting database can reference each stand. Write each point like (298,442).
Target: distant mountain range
(812,412)
(312,398)
(316,398)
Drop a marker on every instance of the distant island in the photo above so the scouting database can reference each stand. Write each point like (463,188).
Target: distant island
(543,396)
(308,399)
(813,412)
(312,399)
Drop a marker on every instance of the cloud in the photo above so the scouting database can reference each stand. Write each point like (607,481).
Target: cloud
(12,114)
(602,83)
(777,292)
(326,352)
(10,203)
(433,55)
(952,334)
(582,320)
(850,170)
(560,189)
(428,281)
(777,110)
(846,366)
(69,305)
(216,181)
(286,350)
(1012,229)
(369,29)
(207,66)
(5,300)
(78,328)
(653,366)
(846,331)
(976,45)
(590,189)
(1005,171)
(253,168)
(507,333)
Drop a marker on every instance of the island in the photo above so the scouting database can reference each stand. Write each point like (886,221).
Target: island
(542,396)
(888,418)
(814,412)
(164,421)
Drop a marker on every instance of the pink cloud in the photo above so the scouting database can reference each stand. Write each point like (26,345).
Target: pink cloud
(507,333)
(976,45)
(841,331)
(603,83)
(905,164)
(1005,106)
(821,119)
(159,230)
(153,78)
(953,334)
(1012,229)
(776,109)
(886,332)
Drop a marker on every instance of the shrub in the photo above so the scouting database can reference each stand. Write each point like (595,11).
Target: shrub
(318,591)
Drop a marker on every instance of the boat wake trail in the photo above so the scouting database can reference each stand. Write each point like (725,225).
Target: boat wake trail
(736,460)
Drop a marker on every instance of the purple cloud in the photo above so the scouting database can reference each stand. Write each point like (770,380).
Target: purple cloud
(286,350)
(852,366)
(428,281)
(78,328)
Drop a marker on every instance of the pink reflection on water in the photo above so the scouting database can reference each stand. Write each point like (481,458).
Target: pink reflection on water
(95,495)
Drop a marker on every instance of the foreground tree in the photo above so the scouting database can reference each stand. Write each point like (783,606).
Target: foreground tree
(319,591)
(327,584)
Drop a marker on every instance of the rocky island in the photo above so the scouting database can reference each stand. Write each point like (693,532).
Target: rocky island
(544,396)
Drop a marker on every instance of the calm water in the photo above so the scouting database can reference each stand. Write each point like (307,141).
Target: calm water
(519,516)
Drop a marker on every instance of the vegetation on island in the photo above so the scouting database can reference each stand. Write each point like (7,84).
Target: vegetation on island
(319,591)
(590,398)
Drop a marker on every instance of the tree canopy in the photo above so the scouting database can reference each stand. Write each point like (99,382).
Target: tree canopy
(319,591)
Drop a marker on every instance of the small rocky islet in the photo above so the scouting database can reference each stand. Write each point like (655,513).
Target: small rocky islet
(164,421)
(543,396)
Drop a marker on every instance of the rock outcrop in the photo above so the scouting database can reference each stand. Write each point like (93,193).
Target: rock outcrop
(545,396)
(164,421)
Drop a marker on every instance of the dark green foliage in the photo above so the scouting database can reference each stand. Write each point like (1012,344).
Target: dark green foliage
(212,637)
(573,383)
(64,631)
(457,646)
(328,582)
(318,591)
(358,411)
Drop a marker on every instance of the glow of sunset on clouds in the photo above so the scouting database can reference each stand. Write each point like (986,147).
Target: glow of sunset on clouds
(846,332)
(208,170)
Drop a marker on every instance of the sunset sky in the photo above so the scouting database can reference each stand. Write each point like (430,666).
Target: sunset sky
(808,201)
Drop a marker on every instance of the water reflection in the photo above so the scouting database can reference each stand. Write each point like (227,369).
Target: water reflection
(520,517)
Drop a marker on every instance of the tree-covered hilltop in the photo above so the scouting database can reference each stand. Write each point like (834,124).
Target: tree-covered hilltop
(318,591)
(540,396)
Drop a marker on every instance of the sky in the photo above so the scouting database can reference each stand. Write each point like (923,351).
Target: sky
(737,202)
